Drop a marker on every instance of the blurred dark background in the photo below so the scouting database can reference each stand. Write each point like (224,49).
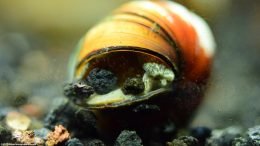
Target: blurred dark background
(36,39)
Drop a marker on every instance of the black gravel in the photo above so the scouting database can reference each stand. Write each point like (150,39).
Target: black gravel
(128,138)
(133,86)
(201,133)
(103,81)
(80,122)
(77,91)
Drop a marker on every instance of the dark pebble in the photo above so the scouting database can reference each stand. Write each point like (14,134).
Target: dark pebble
(80,122)
(133,86)
(85,122)
(201,133)
(78,91)
(189,140)
(128,138)
(103,81)
(74,142)
(60,115)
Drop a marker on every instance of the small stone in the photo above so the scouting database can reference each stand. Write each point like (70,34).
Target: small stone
(223,137)
(189,140)
(158,71)
(59,114)
(133,86)
(74,142)
(103,81)
(85,121)
(17,121)
(201,133)
(27,137)
(240,141)
(79,121)
(58,136)
(78,90)
(156,76)
(253,135)
(128,138)
(176,142)
(184,141)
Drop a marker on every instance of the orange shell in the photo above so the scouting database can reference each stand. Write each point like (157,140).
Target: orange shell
(163,27)
(164,32)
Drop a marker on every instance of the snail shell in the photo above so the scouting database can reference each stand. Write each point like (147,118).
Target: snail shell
(140,32)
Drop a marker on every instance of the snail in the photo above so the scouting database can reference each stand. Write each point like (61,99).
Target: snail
(158,55)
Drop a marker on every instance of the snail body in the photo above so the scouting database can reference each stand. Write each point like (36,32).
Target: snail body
(160,43)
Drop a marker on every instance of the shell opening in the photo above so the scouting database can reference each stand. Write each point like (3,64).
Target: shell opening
(155,74)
